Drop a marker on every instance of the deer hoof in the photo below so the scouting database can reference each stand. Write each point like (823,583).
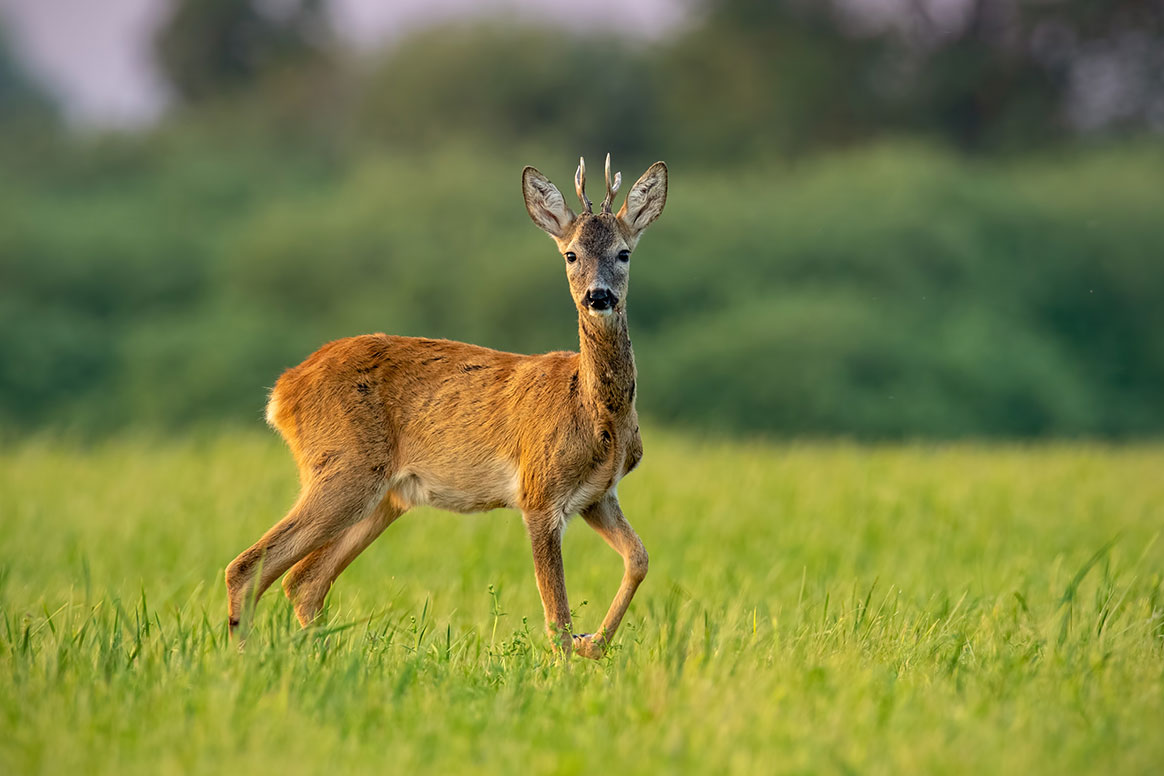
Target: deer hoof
(586,646)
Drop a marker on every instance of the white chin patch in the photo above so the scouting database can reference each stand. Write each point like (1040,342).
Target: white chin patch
(600,313)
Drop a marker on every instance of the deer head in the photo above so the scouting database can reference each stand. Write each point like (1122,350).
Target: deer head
(596,246)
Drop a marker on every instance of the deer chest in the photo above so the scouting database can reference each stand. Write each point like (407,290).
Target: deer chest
(614,456)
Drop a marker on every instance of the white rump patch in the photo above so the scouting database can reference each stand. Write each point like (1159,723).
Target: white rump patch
(272,410)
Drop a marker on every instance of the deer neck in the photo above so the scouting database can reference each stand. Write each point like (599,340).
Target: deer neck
(607,365)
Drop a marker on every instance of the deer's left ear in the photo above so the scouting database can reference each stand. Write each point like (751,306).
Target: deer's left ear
(545,204)
(645,200)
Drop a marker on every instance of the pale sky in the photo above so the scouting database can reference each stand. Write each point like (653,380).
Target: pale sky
(95,54)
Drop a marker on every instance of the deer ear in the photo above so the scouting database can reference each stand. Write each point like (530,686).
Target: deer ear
(645,200)
(545,203)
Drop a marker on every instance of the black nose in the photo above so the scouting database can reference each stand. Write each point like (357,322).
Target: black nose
(600,299)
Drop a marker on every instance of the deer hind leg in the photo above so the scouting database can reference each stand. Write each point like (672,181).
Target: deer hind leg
(327,506)
(308,582)
(607,519)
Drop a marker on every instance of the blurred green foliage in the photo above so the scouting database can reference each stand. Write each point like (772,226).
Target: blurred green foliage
(831,260)
(23,107)
(897,290)
(209,47)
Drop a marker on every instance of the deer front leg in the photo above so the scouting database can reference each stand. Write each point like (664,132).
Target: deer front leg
(545,535)
(607,519)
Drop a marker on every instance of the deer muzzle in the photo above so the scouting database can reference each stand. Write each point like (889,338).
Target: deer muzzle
(600,300)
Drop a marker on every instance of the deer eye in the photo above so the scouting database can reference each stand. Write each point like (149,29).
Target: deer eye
(624,255)
(571,256)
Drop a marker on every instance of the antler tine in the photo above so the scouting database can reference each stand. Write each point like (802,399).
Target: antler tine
(611,187)
(580,184)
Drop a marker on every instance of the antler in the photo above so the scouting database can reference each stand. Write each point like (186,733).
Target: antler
(580,184)
(611,188)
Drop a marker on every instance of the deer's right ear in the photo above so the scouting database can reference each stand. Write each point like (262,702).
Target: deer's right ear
(545,204)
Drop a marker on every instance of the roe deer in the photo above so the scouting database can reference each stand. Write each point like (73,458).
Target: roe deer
(378,424)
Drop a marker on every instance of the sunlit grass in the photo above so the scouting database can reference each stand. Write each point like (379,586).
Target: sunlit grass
(810,608)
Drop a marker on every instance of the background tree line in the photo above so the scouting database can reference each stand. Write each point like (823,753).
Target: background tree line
(904,224)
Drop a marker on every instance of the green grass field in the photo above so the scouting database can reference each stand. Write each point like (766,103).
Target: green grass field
(810,609)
